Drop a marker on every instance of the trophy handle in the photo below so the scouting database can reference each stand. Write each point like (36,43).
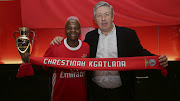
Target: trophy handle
(32,39)
(33,35)
(14,33)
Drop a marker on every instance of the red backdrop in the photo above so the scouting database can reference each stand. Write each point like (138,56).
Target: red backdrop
(166,42)
(53,13)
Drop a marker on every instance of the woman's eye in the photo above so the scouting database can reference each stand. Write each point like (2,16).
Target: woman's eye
(77,28)
(69,28)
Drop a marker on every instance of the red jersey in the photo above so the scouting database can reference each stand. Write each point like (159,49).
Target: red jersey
(68,84)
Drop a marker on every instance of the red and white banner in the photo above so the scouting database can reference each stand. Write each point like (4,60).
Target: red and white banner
(118,64)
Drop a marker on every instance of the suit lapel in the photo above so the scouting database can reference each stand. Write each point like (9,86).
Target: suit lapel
(95,43)
(120,41)
(121,52)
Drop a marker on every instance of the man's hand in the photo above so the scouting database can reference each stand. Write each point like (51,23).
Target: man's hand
(163,60)
(57,40)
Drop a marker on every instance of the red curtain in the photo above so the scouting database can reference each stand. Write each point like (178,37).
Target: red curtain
(53,13)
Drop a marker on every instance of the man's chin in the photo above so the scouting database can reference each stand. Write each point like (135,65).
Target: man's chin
(104,29)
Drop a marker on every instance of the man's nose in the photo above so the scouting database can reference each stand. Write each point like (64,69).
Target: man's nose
(103,18)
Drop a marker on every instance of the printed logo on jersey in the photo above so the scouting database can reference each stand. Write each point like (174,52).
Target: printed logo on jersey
(74,73)
(84,56)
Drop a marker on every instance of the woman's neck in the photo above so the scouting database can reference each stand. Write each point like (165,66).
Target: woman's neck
(73,43)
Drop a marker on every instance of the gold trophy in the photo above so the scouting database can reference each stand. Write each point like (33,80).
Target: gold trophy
(24,42)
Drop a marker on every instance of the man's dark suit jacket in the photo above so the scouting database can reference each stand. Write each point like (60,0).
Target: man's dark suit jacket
(128,45)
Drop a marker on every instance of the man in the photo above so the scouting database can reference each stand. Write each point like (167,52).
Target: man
(66,84)
(110,41)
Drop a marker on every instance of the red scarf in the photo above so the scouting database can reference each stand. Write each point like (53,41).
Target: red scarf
(118,64)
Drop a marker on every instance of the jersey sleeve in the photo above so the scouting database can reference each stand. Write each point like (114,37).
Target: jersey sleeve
(49,53)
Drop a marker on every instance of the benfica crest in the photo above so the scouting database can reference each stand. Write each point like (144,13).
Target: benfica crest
(84,56)
(151,62)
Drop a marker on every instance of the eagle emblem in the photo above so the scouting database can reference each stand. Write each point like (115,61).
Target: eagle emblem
(84,56)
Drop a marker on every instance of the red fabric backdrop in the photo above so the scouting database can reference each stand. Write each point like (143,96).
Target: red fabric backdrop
(53,13)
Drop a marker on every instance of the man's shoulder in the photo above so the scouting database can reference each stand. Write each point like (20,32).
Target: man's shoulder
(124,28)
(93,32)
(124,31)
(117,27)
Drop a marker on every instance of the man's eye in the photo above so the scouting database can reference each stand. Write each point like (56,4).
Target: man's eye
(98,15)
(107,14)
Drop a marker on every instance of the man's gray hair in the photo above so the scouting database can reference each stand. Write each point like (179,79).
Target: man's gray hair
(72,18)
(100,4)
